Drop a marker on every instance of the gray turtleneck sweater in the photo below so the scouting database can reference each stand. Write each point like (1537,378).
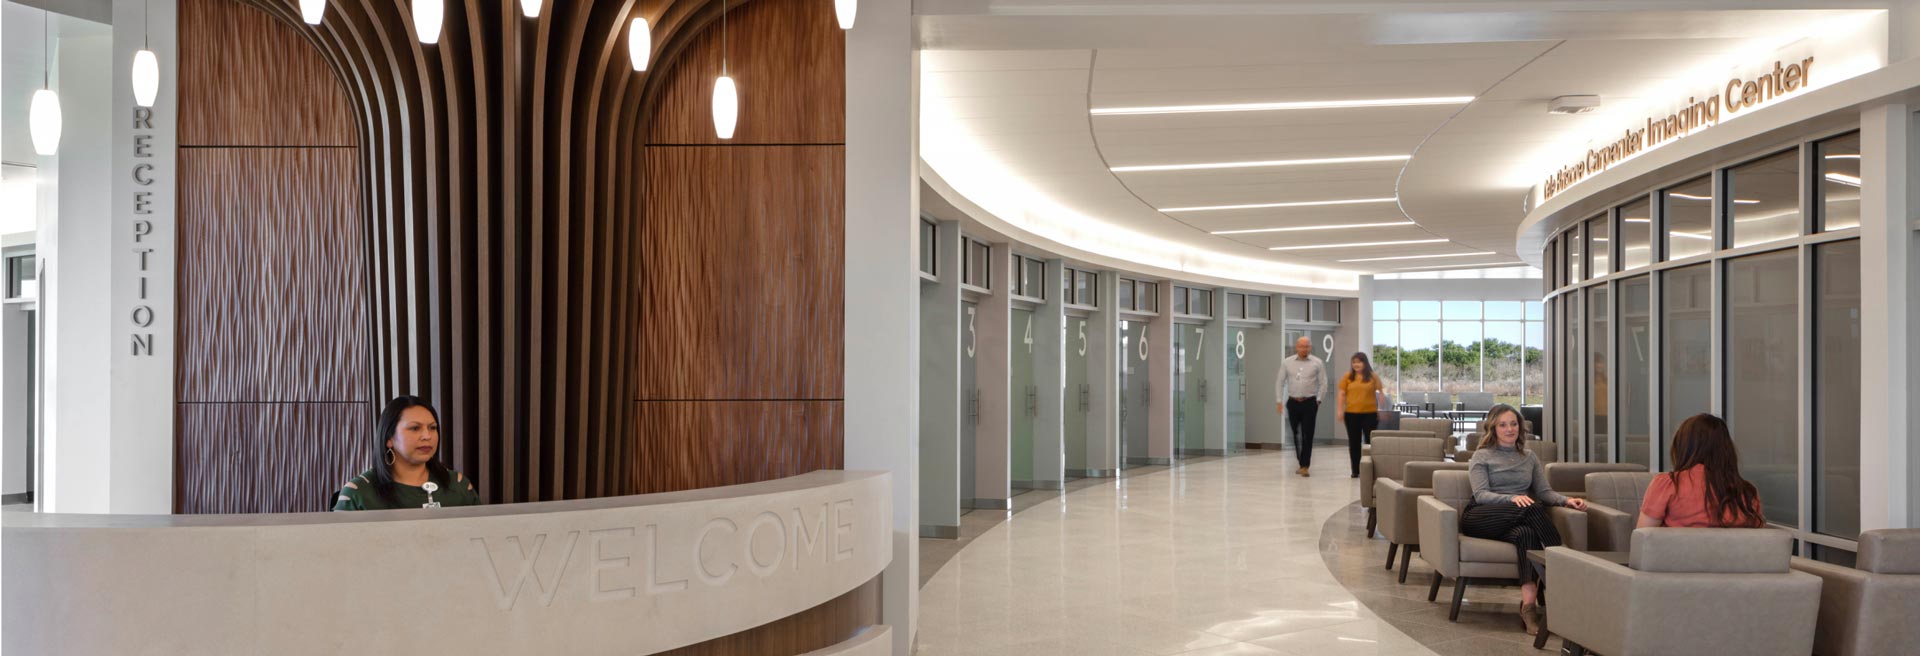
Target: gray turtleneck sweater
(1501,472)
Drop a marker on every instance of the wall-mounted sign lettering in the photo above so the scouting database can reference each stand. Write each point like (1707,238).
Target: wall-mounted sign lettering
(142,313)
(1737,95)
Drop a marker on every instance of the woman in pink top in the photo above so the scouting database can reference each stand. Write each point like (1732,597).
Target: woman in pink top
(1705,489)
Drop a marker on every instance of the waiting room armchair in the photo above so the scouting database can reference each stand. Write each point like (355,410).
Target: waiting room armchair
(1873,608)
(1440,429)
(1613,508)
(1389,460)
(1685,591)
(1470,560)
(1399,510)
(1570,478)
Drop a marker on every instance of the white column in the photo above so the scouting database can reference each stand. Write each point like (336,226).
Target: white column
(143,229)
(882,287)
(1215,349)
(940,389)
(77,457)
(1887,205)
(993,433)
(1103,379)
(1161,394)
(1049,362)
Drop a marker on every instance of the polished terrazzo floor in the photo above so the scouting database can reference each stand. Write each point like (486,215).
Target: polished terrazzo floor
(1215,556)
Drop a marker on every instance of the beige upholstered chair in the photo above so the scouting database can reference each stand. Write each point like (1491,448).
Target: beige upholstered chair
(1389,460)
(1613,508)
(1874,609)
(1399,513)
(1417,427)
(1469,560)
(1685,591)
(1570,478)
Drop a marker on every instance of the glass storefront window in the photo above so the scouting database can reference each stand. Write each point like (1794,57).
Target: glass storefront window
(1688,209)
(1634,356)
(1575,254)
(1386,354)
(929,248)
(1295,309)
(1460,355)
(1419,355)
(1536,363)
(1386,310)
(1126,294)
(1764,199)
(1763,376)
(1636,234)
(1501,357)
(1686,362)
(1599,247)
(1504,311)
(1419,310)
(1258,307)
(1600,435)
(1837,162)
(1836,389)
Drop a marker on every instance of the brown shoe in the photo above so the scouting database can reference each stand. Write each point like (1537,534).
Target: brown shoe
(1304,472)
(1300,472)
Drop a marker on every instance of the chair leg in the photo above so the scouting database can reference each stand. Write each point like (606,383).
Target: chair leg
(1392,548)
(1406,556)
(1434,590)
(1372,516)
(1459,593)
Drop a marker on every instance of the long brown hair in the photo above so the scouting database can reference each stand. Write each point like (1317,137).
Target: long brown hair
(1703,439)
(1366,368)
(1490,437)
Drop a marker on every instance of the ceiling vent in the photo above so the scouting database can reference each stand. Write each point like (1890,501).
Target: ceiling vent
(1573,104)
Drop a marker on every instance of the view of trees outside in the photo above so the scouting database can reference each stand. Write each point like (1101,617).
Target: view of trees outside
(1493,354)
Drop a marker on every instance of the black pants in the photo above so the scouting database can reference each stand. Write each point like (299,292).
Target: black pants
(1360,427)
(1300,416)
(1527,529)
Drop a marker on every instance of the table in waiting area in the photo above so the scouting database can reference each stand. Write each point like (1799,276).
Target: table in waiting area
(1539,559)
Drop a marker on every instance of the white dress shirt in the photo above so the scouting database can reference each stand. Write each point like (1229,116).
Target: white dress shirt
(1300,377)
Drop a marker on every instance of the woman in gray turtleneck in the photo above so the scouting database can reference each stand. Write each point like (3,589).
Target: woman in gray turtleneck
(1511,500)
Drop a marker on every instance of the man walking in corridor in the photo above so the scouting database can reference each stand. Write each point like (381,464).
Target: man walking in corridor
(1303,380)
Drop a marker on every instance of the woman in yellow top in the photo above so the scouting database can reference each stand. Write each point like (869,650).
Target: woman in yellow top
(1357,404)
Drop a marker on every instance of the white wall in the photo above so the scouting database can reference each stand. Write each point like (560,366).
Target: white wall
(1470,289)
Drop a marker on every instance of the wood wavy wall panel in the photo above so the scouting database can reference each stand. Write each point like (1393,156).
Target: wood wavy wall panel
(272,368)
(819,627)
(788,58)
(742,296)
(681,445)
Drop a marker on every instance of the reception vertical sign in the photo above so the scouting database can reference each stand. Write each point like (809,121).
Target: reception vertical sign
(144,314)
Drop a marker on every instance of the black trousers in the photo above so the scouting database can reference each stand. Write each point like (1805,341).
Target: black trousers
(1360,427)
(1300,417)
(1527,529)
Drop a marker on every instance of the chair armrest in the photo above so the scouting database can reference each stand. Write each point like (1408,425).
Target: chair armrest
(1366,482)
(1439,535)
(1608,528)
(1587,599)
(1845,614)
(1399,514)
(1572,525)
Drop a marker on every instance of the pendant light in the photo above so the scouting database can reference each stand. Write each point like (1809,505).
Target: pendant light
(312,11)
(146,67)
(639,42)
(43,117)
(530,8)
(427,15)
(726,99)
(844,10)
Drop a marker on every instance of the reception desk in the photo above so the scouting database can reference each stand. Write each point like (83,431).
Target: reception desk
(622,575)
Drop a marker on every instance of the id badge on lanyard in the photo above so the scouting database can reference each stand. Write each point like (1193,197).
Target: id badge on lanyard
(430,487)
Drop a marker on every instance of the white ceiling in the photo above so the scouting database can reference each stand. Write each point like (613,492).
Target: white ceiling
(1007,87)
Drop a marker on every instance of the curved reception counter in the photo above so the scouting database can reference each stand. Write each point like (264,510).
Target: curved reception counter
(623,575)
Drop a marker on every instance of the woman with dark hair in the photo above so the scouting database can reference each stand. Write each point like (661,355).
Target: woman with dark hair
(1705,489)
(1357,404)
(405,474)
(1511,499)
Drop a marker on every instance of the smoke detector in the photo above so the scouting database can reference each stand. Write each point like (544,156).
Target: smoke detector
(1573,104)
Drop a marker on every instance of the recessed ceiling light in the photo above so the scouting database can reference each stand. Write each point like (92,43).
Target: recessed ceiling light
(1736,201)
(1358,244)
(1842,178)
(1690,235)
(1276,106)
(1418,257)
(1461,266)
(1315,227)
(1853,156)
(1261,206)
(1261,164)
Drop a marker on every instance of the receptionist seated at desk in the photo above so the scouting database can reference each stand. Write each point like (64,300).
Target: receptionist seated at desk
(405,474)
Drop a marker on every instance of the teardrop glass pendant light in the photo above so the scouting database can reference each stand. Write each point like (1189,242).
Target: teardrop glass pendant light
(43,116)
(530,8)
(726,99)
(312,11)
(427,15)
(639,42)
(146,67)
(844,10)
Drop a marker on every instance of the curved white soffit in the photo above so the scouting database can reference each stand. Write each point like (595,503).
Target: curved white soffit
(1106,233)
(977,183)
(1859,75)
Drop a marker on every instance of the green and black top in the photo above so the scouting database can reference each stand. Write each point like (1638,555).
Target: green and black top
(360,495)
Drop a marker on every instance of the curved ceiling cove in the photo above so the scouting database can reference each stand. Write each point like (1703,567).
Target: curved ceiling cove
(1298,146)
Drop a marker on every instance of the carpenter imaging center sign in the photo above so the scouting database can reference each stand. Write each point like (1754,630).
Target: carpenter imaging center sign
(1739,94)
